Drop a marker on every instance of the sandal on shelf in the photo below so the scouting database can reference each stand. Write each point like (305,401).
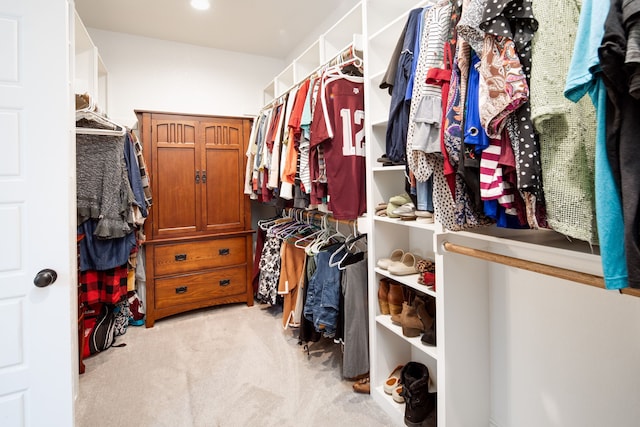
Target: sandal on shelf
(406,266)
(396,256)
(393,380)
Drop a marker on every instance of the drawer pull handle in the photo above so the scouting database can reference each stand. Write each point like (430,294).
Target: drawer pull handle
(225,282)
(181,290)
(181,257)
(224,251)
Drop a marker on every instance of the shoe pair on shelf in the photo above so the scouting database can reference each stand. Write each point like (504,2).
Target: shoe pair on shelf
(417,317)
(392,385)
(390,296)
(386,161)
(426,273)
(400,263)
(414,312)
(381,209)
(401,206)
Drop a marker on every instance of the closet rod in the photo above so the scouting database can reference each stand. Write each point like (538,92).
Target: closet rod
(536,267)
(350,51)
(316,215)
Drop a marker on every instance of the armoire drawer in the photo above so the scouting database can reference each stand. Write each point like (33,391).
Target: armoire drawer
(198,287)
(176,258)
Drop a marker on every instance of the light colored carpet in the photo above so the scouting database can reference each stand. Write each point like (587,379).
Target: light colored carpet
(226,366)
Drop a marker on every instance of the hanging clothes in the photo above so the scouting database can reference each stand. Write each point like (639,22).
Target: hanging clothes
(269,271)
(618,54)
(355,359)
(103,286)
(567,130)
(323,294)
(582,79)
(103,189)
(338,127)
(396,136)
(291,277)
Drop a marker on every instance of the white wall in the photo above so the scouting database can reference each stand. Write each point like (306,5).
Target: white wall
(152,74)
(562,354)
(313,35)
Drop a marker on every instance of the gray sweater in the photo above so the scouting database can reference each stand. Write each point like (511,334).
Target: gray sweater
(103,189)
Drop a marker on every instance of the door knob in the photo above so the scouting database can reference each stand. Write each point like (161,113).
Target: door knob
(45,278)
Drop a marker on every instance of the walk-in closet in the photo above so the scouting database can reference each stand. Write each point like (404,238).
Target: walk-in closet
(338,213)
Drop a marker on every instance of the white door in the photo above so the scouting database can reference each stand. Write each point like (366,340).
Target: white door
(38,338)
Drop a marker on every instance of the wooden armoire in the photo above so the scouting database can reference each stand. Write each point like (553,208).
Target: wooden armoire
(198,232)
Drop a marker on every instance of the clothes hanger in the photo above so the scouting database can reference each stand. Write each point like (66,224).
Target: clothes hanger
(91,115)
(347,246)
(264,224)
(304,240)
(351,257)
(314,247)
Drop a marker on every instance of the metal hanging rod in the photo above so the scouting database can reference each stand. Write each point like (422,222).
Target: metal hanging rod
(536,267)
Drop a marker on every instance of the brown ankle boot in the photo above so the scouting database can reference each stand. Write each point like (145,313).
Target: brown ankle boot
(411,323)
(428,316)
(423,313)
(383,296)
(395,298)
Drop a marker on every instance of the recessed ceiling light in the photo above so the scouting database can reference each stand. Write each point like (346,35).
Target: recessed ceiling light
(200,4)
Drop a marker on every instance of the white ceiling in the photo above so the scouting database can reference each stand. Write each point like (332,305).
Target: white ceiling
(262,27)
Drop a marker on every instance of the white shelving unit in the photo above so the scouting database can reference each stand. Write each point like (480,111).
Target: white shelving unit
(91,74)
(383,24)
(347,31)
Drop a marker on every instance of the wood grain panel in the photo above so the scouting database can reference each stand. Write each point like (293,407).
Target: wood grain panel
(194,256)
(193,289)
(175,191)
(224,202)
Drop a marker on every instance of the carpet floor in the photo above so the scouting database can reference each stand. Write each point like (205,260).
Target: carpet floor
(227,366)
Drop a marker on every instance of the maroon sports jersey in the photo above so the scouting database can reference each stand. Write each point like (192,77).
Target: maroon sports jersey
(338,124)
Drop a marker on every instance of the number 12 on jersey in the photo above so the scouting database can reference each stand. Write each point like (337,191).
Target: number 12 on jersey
(352,142)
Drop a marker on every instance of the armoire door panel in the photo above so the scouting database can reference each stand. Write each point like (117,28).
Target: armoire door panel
(174,176)
(175,187)
(174,132)
(226,132)
(223,201)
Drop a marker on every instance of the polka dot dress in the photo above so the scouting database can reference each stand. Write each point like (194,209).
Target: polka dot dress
(514,19)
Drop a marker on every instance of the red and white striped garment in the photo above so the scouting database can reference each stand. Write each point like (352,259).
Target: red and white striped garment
(492,186)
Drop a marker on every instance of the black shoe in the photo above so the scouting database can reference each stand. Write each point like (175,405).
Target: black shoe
(419,403)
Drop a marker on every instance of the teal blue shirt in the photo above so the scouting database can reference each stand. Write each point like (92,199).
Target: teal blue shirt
(584,77)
